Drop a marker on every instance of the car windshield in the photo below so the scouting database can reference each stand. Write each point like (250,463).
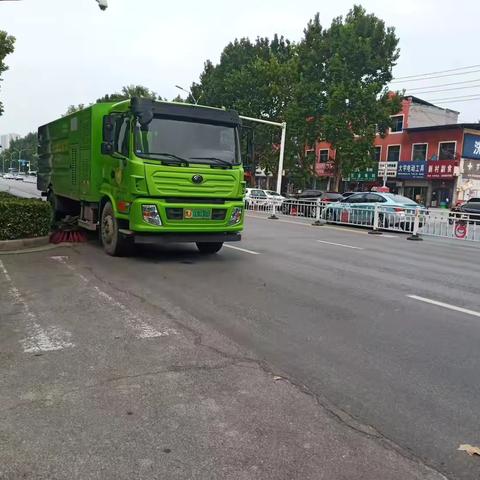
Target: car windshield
(187,140)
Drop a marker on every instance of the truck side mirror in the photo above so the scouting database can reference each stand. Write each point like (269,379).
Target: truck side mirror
(108,134)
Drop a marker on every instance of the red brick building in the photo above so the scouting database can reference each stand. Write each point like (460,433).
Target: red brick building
(428,156)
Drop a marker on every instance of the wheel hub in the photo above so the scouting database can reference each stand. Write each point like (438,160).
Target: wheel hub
(107,229)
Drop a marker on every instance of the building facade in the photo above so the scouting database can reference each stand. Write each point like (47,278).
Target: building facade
(6,139)
(426,156)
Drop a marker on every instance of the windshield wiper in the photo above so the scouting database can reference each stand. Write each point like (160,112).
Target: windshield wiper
(178,160)
(219,161)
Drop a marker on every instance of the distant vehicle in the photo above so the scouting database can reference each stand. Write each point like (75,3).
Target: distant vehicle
(9,176)
(19,177)
(306,202)
(469,211)
(255,197)
(329,197)
(274,197)
(32,173)
(395,210)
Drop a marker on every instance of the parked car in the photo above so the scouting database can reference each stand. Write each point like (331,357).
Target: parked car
(9,176)
(306,202)
(274,197)
(19,177)
(468,211)
(255,197)
(395,210)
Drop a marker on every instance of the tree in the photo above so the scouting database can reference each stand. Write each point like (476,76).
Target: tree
(129,91)
(353,61)
(256,79)
(6,47)
(73,109)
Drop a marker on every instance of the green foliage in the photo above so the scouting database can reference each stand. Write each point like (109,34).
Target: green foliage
(6,48)
(256,79)
(330,86)
(353,62)
(74,108)
(23,218)
(127,92)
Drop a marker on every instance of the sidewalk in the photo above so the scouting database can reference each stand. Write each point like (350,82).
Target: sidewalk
(141,391)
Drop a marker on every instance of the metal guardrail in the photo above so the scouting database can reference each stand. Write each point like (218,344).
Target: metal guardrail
(378,218)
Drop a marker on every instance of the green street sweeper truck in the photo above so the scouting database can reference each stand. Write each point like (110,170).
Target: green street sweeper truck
(142,172)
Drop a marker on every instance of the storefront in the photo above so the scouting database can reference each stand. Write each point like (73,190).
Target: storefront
(412,177)
(442,175)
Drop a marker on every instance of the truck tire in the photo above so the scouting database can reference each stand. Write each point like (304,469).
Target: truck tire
(209,248)
(113,242)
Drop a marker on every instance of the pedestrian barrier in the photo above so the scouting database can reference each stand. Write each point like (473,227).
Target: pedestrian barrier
(378,218)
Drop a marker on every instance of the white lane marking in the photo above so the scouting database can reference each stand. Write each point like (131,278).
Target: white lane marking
(340,245)
(242,249)
(445,305)
(389,236)
(143,329)
(338,228)
(38,339)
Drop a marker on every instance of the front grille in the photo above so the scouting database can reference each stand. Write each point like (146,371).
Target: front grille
(177,213)
(174,213)
(215,201)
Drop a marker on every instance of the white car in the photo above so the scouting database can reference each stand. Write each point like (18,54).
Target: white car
(9,176)
(256,197)
(274,197)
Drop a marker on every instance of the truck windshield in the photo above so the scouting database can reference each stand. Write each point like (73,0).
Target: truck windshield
(193,141)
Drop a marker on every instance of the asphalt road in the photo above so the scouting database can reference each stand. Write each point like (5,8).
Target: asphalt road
(25,189)
(328,307)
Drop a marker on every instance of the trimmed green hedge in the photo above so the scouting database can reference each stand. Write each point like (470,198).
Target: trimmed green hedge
(23,217)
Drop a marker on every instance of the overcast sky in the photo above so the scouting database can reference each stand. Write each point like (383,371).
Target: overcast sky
(70,52)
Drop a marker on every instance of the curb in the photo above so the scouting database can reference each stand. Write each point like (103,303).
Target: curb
(21,243)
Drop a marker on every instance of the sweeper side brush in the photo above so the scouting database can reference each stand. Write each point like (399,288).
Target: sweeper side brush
(67,231)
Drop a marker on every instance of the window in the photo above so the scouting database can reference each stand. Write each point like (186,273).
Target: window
(258,194)
(419,152)
(323,156)
(123,129)
(374,198)
(378,153)
(357,198)
(192,140)
(393,154)
(446,150)
(397,124)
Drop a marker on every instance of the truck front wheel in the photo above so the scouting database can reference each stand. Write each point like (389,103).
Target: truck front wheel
(113,242)
(208,248)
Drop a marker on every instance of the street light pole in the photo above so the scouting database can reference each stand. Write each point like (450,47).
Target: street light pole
(283,125)
(187,91)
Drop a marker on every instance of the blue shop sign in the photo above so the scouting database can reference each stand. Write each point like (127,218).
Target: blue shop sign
(412,170)
(471,146)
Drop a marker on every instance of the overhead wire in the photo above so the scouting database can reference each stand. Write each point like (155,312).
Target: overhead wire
(399,80)
(437,72)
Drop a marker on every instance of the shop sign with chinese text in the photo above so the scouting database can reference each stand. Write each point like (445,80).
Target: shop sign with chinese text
(441,168)
(412,170)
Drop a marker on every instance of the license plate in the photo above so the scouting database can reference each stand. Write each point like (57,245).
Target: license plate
(197,213)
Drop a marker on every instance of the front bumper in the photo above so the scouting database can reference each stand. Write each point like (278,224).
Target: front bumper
(166,238)
(190,226)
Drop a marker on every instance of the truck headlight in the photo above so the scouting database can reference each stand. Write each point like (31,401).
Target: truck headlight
(151,215)
(236,216)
